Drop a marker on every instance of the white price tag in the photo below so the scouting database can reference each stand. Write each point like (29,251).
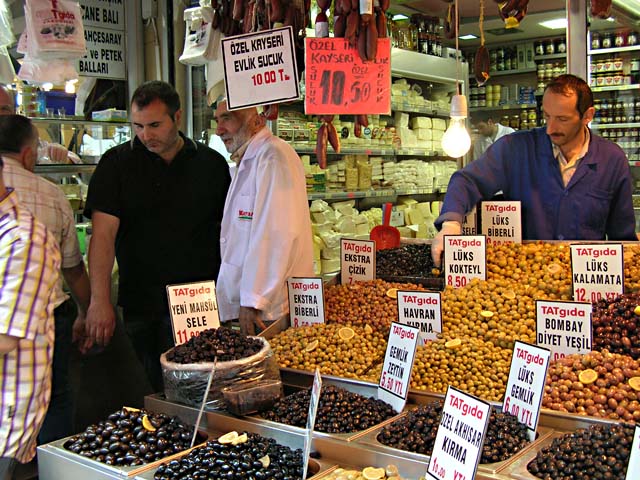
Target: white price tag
(597,271)
(633,469)
(525,387)
(306,301)
(464,259)
(458,445)
(563,327)
(193,308)
(470,222)
(501,222)
(316,391)
(422,310)
(393,387)
(357,260)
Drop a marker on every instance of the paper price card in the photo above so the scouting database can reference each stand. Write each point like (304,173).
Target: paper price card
(458,445)
(306,301)
(597,271)
(470,222)
(338,81)
(422,310)
(501,222)
(563,327)
(316,390)
(464,259)
(393,387)
(260,68)
(525,387)
(633,469)
(357,260)
(193,308)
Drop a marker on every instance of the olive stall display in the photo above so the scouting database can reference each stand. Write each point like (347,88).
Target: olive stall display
(130,437)
(600,452)
(246,455)
(416,432)
(616,325)
(339,410)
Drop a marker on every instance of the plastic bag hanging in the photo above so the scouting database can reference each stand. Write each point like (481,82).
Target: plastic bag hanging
(55,29)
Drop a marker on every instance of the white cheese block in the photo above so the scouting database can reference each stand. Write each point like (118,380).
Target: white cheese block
(331,253)
(317,246)
(421,122)
(406,232)
(319,206)
(317,266)
(362,229)
(330,239)
(329,266)
(415,217)
(320,217)
(320,228)
(439,124)
(423,133)
(435,209)
(344,203)
(401,120)
(346,225)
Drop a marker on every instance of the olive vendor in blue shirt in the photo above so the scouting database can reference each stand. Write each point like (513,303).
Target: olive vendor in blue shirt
(572,184)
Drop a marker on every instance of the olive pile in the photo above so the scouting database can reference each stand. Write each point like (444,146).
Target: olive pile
(616,325)
(631,268)
(321,346)
(224,343)
(609,394)
(477,367)
(408,260)
(365,303)
(599,452)
(339,411)
(257,458)
(416,432)
(132,437)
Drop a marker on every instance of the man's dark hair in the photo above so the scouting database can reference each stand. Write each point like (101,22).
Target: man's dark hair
(157,90)
(478,117)
(568,84)
(16,131)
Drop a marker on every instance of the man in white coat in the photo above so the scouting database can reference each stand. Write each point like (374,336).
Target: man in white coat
(266,230)
(489,131)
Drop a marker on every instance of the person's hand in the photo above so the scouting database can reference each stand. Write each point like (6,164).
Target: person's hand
(57,153)
(437,246)
(250,318)
(79,334)
(101,322)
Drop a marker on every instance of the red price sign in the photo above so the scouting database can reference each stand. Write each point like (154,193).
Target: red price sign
(339,82)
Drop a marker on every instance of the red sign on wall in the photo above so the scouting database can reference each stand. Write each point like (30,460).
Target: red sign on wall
(339,82)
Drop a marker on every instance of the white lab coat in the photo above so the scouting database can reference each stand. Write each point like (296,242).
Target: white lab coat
(266,230)
(482,143)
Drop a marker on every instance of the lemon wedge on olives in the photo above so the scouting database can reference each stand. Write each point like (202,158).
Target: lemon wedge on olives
(455,343)
(368,329)
(588,376)
(146,423)
(240,439)
(510,294)
(372,473)
(553,268)
(634,382)
(130,409)
(228,438)
(392,293)
(265,461)
(637,310)
(346,333)
(486,313)
(311,346)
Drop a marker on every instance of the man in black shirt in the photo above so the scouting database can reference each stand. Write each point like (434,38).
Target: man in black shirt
(156,205)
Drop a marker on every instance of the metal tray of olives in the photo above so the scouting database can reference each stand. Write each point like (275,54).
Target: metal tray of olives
(518,468)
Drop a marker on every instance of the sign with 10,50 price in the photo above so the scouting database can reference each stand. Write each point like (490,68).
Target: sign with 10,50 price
(339,82)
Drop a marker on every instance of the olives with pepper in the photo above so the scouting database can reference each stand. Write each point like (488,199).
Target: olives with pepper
(224,344)
(408,260)
(339,411)
(132,437)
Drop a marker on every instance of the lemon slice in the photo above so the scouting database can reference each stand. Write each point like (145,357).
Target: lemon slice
(486,313)
(455,343)
(391,470)
(587,376)
(637,310)
(311,346)
(240,439)
(146,423)
(392,293)
(510,294)
(554,268)
(372,473)
(346,333)
(130,409)
(368,329)
(265,461)
(228,438)
(634,382)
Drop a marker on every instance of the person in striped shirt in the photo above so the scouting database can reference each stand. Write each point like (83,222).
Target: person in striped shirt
(29,269)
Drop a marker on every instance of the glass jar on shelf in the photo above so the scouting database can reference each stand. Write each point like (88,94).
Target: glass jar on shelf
(632,38)
(514,122)
(619,40)
(561,45)
(595,41)
(607,41)
(538,47)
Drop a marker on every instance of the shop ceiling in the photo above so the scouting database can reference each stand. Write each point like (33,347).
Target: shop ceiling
(530,28)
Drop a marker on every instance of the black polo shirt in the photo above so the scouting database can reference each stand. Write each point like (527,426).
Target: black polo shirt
(169,217)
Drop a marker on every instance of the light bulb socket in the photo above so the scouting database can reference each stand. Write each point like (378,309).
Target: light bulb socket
(459,106)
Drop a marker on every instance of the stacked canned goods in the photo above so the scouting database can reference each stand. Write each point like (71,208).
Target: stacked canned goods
(626,138)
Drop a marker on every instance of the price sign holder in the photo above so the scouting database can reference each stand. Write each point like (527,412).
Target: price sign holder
(502,222)
(525,387)
(597,271)
(204,401)
(316,390)
(339,82)
(193,308)
(455,456)
(393,387)
(260,68)
(422,310)
(563,327)
(464,259)
(633,469)
(357,260)
(306,301)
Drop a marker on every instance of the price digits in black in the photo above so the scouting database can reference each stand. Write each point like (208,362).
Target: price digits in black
(333,89)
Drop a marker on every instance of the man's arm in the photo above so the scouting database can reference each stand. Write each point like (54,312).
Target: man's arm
(8,344)
(78,282)
(101,319)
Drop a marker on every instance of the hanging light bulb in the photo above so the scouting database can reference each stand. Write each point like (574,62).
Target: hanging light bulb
(456,141)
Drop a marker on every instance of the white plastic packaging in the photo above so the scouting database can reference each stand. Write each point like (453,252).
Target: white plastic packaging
(54,29)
